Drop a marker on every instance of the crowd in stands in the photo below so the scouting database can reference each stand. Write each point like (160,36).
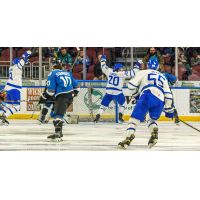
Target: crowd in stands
(188,59)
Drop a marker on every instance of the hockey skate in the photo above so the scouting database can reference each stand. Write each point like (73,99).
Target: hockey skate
(121,120)
(97,118)
(125,143)
(57,137)
(177,122)
(3,120)
(154,138)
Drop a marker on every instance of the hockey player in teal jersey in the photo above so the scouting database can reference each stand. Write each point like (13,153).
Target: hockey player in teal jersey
(61,87)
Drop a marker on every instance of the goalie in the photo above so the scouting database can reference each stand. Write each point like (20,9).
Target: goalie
(44,116)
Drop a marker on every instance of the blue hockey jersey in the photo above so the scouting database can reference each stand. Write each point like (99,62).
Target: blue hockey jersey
(170,78)
(59,82)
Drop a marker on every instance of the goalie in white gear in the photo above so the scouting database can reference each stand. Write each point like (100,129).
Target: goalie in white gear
(152,89)
(13,87)
(114,86)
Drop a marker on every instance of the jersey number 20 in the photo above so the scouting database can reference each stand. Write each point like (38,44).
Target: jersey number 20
(114,81)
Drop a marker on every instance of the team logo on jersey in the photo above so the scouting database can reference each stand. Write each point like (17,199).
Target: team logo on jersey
(96,97)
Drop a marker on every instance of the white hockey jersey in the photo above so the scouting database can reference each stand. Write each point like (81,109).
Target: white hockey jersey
(15,76)
(116,79)
(155,82)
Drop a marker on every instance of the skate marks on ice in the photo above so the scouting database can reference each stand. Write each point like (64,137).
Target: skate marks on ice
(28,135)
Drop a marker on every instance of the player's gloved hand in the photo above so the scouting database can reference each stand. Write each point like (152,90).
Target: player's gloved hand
(42,98)
(26,61)
(139,63)
(103,58)
(3,95)
(50,99)
(45,98)
(169,112)
(26,54)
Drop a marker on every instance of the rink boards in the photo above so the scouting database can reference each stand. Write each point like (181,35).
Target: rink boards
(81,103)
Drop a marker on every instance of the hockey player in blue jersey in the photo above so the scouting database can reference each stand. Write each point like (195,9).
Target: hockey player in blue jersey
(153,91)
(114,86)
(171,81)
(62,86)
(13,87)
(43,118)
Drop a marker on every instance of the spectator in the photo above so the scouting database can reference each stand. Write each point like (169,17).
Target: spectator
(168,52)
(79,60)
(182,60)
(152,54)
(35,52)
(64,56)
(99,75)
(188,52)
(195,60)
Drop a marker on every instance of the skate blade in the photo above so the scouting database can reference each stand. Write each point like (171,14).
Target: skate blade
(54,140)
(120,122)
(178,124)
(152,144)
(122,147)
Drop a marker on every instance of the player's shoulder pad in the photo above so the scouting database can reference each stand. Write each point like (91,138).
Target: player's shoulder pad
(52,73)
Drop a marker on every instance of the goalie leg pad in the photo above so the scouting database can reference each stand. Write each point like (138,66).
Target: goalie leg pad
(132,124)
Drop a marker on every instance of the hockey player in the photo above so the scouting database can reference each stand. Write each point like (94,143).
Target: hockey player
(152,89)
(171,81)
(13,87)
(114,86)
(61,85)
(43,118)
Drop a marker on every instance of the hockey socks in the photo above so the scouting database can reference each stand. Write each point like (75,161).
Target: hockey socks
(9,111)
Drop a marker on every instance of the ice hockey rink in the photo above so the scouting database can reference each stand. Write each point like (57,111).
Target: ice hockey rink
(28,135)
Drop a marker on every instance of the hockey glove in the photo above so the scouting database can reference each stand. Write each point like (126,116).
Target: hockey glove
(139,63)
(103,58)
(3,95)
(45,98)
(169,112)
(26,54)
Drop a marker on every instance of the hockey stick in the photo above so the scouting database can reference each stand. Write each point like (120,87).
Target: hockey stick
(78,49)
(187,124)
(27,101)
(34,111)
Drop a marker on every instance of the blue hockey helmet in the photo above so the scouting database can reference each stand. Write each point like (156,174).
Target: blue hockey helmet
(16,61)
(118,66)
(153,64)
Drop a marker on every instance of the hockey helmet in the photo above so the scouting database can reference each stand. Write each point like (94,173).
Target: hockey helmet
(118,66)
(16,61)
(153,64)
(56,61)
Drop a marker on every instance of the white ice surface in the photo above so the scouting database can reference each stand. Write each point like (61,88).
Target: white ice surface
(28,135)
